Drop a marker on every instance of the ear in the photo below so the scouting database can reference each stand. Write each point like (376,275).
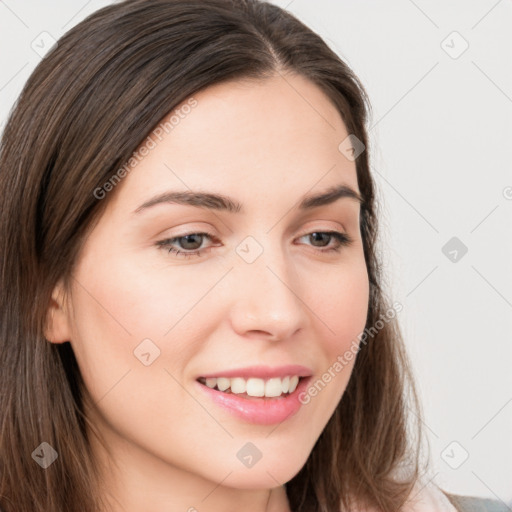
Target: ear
(57,328)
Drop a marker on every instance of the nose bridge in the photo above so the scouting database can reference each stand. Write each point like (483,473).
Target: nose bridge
(267,290)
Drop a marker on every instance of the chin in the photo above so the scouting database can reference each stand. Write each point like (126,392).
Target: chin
(265,474)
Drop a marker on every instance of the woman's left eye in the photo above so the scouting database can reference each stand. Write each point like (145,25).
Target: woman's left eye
(191,242)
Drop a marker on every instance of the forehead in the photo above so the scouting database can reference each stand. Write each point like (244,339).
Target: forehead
(278,111)
(280,133)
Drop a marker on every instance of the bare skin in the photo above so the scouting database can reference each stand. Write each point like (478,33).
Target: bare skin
(267,145)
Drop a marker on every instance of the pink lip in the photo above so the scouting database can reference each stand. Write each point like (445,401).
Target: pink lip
(262,411)
(263,372)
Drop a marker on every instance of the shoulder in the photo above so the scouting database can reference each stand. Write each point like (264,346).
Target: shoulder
(474,504)
(431,498)
(428,497)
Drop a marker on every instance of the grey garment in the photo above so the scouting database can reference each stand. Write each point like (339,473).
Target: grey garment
(474,504)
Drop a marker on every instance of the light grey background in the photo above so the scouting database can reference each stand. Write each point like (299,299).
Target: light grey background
(441,138)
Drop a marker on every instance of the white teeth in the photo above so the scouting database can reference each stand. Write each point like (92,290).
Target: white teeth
(293,383)
(211,383)
(238,385)
(223,383)
(273,387)
(285,385)
(255,387)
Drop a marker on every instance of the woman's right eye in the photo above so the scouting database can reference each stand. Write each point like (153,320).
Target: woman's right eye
(190,238)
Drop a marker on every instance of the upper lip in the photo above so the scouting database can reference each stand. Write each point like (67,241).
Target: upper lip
(263,372)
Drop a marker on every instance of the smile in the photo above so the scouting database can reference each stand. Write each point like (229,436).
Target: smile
(262,402)
(254,387)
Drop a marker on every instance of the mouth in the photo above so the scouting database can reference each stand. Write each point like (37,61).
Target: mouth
(254,387)
(256,400)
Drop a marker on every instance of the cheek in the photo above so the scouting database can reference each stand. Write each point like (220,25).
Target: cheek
(122,313)
(342,303)
(342,306)
(128,313)
(125,301)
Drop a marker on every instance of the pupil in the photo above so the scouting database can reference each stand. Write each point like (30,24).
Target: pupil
(187,241)
(319,235)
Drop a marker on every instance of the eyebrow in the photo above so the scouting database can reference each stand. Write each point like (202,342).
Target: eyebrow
(211,201)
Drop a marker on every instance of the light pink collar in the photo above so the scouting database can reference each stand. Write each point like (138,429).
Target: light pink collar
(425,497)
(428,498)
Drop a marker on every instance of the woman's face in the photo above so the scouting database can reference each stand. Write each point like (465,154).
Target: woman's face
(264,291)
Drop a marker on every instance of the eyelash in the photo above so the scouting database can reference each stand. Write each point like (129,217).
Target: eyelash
(342,238)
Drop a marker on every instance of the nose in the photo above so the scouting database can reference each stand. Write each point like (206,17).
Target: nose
(266,298)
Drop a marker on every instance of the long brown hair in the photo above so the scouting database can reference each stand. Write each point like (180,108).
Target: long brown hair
(85,109)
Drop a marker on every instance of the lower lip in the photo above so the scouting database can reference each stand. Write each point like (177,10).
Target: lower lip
(259,410)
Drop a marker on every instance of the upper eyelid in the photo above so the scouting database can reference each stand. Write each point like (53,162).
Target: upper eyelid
(306,231)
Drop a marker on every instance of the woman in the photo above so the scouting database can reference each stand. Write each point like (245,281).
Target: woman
(259,368)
